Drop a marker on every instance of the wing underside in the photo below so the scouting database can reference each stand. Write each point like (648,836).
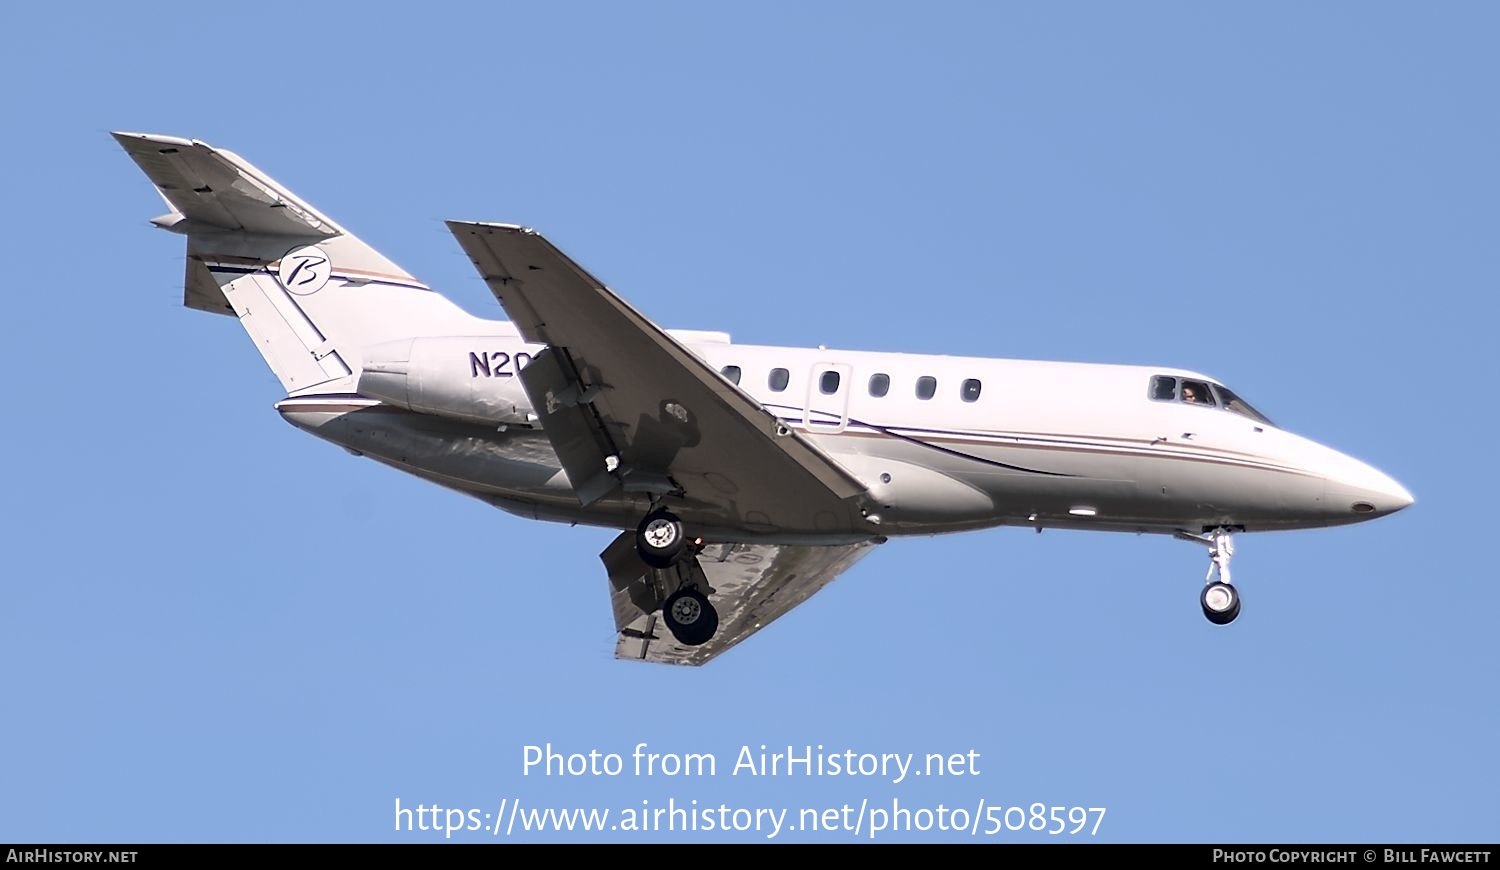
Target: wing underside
(752,585)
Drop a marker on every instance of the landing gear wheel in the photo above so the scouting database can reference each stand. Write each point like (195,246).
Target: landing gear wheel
(690,616)
(659,539)
(1221,603)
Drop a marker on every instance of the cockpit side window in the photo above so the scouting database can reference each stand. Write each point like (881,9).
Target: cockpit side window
(1196,393)
(1163,388)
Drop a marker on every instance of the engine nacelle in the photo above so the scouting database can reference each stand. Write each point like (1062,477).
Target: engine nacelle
(462,377)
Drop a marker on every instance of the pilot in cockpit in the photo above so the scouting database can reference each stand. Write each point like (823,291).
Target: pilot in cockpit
(1194,395)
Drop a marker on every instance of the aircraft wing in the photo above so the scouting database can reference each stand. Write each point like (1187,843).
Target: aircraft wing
(628,408)
(752,584)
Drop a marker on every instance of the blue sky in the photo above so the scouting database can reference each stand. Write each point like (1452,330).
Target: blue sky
(217,628)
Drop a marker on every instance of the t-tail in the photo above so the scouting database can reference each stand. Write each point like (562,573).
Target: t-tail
(311,295)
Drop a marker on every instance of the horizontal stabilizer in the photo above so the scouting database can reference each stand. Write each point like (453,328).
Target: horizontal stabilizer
(214,188)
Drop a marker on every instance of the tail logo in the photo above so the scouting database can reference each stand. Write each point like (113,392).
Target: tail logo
(304,270)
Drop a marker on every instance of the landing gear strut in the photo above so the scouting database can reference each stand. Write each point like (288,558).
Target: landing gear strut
(1220,600)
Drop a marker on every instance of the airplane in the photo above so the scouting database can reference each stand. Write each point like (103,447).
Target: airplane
(742,478)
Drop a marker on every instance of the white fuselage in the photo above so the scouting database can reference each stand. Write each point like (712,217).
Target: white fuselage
(984,442)
(752,474)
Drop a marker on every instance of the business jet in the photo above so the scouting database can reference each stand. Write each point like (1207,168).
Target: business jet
(743,478)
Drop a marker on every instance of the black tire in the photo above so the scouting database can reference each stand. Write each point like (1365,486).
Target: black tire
(1221,603)
(690,617)
(660,539)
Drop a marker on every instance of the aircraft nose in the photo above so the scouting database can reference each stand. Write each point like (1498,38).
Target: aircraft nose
(1397,496)
(1366,491)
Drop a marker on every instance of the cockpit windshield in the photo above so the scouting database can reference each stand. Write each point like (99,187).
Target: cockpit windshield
(1166,388)
(1240,406)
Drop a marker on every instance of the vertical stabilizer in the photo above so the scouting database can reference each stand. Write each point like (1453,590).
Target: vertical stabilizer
(310,294)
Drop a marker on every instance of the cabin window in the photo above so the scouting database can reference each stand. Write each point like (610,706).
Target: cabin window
(1163,388)
(828,384)
(970,392)
(880,384)
(732,373)
(926,387)
(778,380)
(1196,393)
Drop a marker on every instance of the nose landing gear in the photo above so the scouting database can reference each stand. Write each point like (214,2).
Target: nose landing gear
(1220,599)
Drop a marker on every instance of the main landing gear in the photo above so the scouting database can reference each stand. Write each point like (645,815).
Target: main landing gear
(690,617)
(663,545)
(659,539)
(1220,600)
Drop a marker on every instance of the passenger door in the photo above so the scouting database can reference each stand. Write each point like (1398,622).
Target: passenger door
(827,405)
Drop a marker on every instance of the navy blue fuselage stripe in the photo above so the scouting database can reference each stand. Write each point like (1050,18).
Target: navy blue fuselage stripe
(251,270)
(330,396)
(951,452)
(938,447)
